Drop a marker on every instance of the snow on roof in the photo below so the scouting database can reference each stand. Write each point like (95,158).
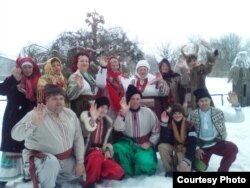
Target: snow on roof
(6,57)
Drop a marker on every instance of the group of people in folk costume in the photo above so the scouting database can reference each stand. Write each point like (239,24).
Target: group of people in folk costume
(85,129)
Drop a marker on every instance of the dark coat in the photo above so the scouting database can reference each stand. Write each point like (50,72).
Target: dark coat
(16,108)
(167,136)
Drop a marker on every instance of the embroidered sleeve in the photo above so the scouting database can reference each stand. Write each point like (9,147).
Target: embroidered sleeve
(73,91)
(29,125)
(119,124)
(155,133)
(23,128)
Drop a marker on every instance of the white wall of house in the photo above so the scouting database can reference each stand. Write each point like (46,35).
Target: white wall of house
(7,65)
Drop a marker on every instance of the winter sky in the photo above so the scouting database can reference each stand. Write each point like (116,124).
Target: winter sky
(150,22)
(237,133)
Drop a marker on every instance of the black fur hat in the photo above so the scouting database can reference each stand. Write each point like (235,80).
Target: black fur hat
(201,93)
(131,91)
(100,101)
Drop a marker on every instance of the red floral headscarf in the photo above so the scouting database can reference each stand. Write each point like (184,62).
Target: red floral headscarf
(114,86)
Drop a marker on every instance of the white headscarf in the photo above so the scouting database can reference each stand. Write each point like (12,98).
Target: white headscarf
(26,63)
(141,63)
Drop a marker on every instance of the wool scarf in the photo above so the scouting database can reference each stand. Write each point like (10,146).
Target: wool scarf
(90,80)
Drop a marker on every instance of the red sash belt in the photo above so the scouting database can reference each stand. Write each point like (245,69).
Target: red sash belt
(40,155)
(141,140)
(11,155)
(88,97)
(65,155)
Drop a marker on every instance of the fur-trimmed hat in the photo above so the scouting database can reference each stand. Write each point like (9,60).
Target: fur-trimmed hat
(201,93)
(100,101)
(52,90)
(131,91)
(177,108)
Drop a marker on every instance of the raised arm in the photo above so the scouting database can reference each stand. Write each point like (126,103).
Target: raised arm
(28,123)
(119,124)
(101,78)
(11,81)
(75,84)
(238,116)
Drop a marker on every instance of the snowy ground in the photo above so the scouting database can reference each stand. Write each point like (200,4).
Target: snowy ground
(238,133)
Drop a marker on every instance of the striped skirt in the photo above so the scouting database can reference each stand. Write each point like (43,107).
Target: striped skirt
(10,166)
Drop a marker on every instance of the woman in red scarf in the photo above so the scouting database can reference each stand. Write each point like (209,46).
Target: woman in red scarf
(113,88)
(20,90)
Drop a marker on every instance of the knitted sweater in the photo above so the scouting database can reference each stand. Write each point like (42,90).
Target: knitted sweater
(218,120)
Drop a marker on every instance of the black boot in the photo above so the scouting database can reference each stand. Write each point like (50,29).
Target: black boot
(169,174)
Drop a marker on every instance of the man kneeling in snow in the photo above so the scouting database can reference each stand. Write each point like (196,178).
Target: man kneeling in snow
(140,128)
(53,140)
(97,126)
(210,126)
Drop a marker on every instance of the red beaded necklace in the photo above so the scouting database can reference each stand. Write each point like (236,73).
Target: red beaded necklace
(141,87)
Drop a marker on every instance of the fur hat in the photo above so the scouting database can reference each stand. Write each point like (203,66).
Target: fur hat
(201,93)
(52,90)
(131,91)
(177,108)
(191,56)
(100,101)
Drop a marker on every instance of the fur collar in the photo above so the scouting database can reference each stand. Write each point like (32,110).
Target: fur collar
(85,119)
